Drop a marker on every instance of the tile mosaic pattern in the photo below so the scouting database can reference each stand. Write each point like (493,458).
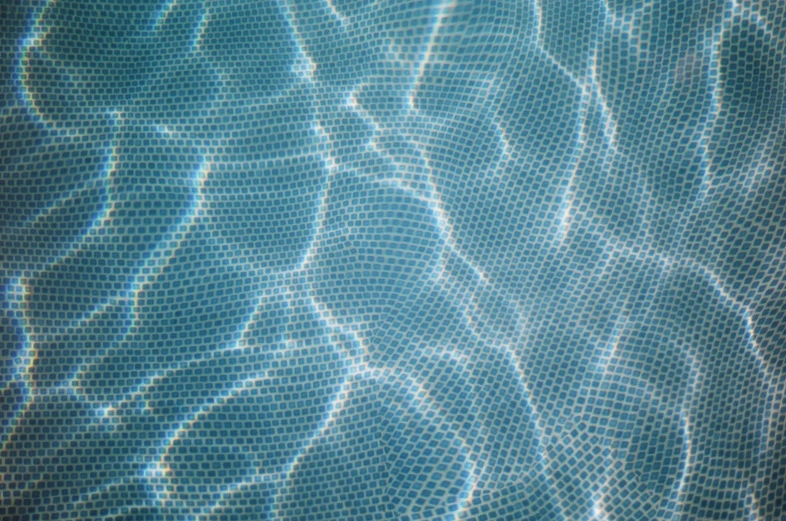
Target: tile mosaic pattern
(393,260)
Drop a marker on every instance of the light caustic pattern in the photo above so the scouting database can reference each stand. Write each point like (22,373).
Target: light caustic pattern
(387,259)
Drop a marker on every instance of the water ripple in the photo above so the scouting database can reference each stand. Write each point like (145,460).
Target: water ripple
(377,259)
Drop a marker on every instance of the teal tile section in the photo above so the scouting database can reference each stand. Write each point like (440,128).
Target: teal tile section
(417,260)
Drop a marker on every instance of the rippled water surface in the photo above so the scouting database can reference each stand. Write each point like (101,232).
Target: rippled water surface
(393,260)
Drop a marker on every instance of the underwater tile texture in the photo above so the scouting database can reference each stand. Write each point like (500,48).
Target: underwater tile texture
(415,260)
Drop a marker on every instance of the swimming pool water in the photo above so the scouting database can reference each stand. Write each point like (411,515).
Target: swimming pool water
(393,259)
